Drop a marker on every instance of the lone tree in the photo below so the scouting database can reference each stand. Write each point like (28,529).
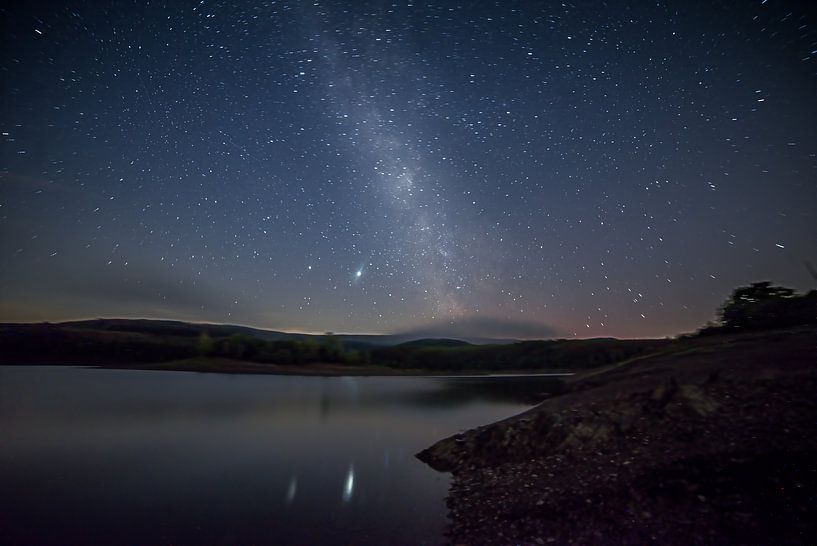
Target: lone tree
(205,345)
(762,306)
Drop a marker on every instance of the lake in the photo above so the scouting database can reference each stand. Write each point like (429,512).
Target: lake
(155,457)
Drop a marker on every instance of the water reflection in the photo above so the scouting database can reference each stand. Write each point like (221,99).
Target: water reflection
(163,457)
(292,489)
(455,391)
(349,484)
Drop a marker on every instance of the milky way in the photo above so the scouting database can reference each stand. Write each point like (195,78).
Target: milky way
(526,168)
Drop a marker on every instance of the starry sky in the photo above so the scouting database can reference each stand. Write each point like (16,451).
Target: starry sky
(526,169)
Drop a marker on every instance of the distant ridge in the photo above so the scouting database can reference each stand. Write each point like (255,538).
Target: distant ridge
(440,342)
(218,347)
(177,328)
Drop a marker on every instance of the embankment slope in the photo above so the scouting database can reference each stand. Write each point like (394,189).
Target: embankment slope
(711,442)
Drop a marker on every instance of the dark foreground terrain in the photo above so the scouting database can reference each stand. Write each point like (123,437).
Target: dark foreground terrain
(712,443)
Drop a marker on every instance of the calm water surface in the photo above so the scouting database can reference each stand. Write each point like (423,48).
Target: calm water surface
(143,457)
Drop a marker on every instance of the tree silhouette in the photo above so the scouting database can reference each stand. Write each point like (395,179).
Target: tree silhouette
(205,345)
(762,305)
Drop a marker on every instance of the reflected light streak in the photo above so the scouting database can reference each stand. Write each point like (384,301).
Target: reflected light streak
(292,489)
(349,486)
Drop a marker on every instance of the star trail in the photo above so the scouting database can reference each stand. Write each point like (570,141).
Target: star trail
(539,168)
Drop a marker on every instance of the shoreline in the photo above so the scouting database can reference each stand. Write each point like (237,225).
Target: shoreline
(240,367)
(713,445)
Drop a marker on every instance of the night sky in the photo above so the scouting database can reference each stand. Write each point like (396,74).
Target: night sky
(519,169)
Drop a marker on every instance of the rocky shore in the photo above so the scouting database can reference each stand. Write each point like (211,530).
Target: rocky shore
(711,443)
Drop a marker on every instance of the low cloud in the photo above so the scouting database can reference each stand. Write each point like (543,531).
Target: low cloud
(144,287)
(65,291)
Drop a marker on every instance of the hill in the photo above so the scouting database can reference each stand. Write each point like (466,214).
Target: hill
(214,347)
(519,356)
(709,441)
(435,343)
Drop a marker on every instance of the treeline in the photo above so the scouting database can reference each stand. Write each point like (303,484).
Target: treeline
(68,344)
(58,344)
(328,349)
(524,355)
(759,306)
(763,306)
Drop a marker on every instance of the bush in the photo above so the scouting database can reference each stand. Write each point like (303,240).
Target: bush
(762,306)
